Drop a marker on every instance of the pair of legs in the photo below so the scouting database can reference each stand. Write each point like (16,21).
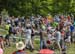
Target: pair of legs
(7,40)
(74,36)
(59,46)
(2,44)
(68,40)
(13,35)
(29,41)
(42,44)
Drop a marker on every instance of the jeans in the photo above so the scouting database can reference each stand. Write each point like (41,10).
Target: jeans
(42,43)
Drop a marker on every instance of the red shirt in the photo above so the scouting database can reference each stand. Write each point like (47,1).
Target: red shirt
(69,18)
(20,51)
(63,33)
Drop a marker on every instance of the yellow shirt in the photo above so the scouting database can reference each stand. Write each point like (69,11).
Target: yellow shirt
(7,27)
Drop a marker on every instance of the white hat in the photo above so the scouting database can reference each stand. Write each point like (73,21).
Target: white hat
(20,45)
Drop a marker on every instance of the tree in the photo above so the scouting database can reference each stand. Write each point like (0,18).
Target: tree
(42,7)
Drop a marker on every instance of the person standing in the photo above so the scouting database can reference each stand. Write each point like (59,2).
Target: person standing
(71,30)
(7,37)
(43,35)
(32,34)
(58,38)
(28,37)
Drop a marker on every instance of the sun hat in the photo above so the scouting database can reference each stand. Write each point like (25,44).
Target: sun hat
(20,45)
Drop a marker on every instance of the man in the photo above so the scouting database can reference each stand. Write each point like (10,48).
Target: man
(68,35)
(58,38)
(8,29)
(28,37)
(71,30)
(43,35)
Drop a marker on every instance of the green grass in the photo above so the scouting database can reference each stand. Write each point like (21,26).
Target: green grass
(10,50)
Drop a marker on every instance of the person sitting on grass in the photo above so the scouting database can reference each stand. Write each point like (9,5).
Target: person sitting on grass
(20,46)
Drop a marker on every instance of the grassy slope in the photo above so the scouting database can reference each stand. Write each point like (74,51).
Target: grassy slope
(9,50)
(70,49)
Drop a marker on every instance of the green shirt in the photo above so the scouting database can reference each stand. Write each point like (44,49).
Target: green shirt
(54,24)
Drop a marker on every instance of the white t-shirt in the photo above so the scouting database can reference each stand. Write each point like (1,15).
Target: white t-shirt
(28,33)
(49,37)
(58,36)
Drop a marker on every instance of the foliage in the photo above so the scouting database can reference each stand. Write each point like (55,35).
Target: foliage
(43,7)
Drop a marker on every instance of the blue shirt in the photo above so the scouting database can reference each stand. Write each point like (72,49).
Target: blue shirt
(71,28)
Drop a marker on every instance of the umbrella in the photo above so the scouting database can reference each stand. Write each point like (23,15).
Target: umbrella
(46,51)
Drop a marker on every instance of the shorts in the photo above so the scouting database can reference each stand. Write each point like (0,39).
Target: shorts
(7,37)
